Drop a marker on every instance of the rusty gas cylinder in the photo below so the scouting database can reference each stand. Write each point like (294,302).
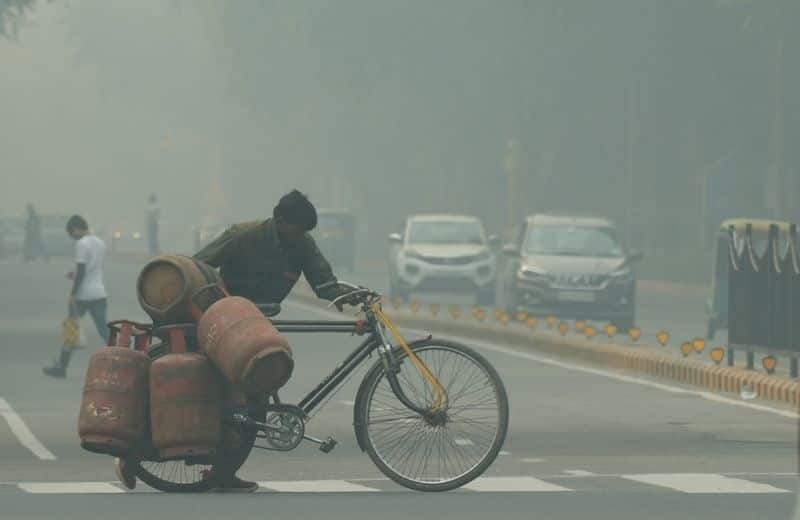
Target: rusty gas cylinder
(244,345)
(185,394)
(167,284)
(113,414)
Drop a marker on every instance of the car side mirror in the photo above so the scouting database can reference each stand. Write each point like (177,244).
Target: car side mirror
(634,255)
(396,237)
(510,250)
(494,240)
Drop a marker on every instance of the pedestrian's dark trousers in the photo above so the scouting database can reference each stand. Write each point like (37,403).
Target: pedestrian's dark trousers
(97,310)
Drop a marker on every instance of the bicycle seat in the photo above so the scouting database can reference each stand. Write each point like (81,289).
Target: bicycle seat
(269,309)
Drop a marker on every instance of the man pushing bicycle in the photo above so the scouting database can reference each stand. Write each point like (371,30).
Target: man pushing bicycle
(262,261)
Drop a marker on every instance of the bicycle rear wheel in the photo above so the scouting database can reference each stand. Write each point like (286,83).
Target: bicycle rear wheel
(441,453)
(181,476)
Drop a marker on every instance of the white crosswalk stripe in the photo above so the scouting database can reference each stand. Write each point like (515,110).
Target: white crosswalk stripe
(513,484)
(704,483)
(69,488)
(315,486)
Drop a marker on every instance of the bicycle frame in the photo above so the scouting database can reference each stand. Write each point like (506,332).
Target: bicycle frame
(375,340)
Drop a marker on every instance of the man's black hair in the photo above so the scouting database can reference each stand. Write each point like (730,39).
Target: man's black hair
(295,208)
(77,222)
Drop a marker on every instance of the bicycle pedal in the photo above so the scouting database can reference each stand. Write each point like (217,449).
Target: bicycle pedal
(328,445)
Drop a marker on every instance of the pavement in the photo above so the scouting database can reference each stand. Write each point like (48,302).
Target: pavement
(582,443)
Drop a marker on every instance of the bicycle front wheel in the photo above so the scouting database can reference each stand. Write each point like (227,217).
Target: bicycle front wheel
(434,453)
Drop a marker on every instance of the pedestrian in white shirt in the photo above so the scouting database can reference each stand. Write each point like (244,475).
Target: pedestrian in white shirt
(88,291)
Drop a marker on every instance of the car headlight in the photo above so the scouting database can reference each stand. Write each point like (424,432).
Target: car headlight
(527,271)
(622,272)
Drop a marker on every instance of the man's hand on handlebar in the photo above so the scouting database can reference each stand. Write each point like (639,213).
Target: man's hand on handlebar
(348,294)
(343,299)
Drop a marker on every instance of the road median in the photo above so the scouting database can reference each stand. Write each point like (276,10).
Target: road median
(598,352)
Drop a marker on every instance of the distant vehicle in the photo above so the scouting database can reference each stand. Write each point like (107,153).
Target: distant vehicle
(12,237)
(572,267)
(122,237)
(447,253)
(54,235)
(717,307)
(335,235)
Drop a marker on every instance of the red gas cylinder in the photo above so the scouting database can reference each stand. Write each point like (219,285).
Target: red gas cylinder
(113,414)
(167,285)
(245,346)
(185,394)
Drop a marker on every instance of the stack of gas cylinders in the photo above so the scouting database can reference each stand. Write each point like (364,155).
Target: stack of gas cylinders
(157,391)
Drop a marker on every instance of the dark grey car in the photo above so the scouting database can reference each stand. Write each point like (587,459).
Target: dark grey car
(573,267)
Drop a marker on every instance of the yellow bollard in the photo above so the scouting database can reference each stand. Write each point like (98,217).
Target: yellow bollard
(590,331)
(551,321)
(563,328)
(580,325)
(686,348)
(435,309)
(415,305)
(522,316)
(611,330)
(635,333)
(699,345)
(455,311)
(531,322)
(769,363)
(505,319)
(717,355)
(663,338)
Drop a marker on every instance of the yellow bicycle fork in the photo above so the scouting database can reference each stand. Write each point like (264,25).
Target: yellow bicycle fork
(439,390)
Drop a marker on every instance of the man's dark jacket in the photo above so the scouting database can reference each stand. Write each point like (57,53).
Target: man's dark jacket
(255,264)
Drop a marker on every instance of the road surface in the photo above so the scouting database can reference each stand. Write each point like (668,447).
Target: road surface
(583,442)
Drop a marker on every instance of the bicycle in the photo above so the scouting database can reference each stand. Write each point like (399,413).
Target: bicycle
(431,414)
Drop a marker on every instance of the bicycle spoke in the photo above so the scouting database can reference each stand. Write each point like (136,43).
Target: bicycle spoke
(424,450)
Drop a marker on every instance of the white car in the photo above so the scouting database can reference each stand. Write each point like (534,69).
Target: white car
(443,253)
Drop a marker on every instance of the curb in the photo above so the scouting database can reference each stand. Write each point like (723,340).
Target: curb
(714,378)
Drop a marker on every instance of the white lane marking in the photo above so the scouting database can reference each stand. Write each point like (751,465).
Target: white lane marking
(464,442)
(603,373)
(704,483)
(512,484)
(69,488)
(533,460)
(504,453)
(579,473)
(348,403)
(315,486)
(24,435)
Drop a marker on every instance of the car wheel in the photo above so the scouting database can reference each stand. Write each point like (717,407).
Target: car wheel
(711,331)
(397,292)
(625,324)
(486,297)
(509,300)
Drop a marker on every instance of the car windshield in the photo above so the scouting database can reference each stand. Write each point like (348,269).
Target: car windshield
(333,222)
(445,232)
(572,241)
